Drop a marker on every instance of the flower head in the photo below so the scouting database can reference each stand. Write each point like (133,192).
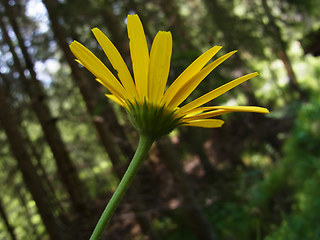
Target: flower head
(152,109)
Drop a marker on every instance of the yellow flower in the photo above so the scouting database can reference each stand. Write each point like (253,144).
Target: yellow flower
(154,110)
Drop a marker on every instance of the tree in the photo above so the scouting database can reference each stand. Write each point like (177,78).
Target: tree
(29,173)
(9,227)
(66,168)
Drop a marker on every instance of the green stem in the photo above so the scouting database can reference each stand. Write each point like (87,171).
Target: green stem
(144,146)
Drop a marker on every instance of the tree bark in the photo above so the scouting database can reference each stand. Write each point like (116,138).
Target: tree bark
(66,169)
(29,173)
(43,174)
(32,229)
(86,89)
(5,218)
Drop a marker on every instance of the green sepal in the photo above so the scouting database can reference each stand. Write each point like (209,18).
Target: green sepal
(153,121)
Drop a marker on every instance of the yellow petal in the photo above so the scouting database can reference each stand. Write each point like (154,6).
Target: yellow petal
(109,87)
(219,110)
(216,92)
(231,108)
(117,62)
(205,123)
(189,72)
(240,109)
(209,114)
(191,84)
(160,56)
(97,68)
(139,54)
(116,100)
(190,113)
(78,61)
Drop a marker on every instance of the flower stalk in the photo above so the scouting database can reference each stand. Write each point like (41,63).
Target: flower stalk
(145,143)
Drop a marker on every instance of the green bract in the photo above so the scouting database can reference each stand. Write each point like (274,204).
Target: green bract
(151,120)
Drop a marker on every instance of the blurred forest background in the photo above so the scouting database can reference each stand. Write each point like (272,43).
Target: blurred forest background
(64,146)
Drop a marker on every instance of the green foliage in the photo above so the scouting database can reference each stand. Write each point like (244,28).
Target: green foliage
(292,188)
(230,220)
(169,229)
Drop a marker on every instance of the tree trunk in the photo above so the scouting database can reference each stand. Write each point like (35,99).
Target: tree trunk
(7,224)
(29,173)
(281,48)
(32,227)
(66,169)
(43,174)
(86,89)
(196,217)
